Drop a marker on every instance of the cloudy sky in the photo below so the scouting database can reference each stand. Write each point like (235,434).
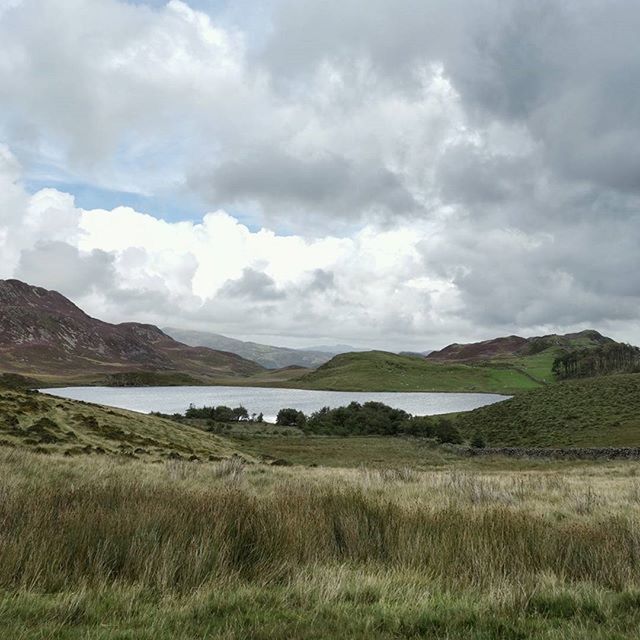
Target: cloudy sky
(396,174)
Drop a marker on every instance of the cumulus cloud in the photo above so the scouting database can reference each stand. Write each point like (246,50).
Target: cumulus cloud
(254,285)
(404,173)
(60,266)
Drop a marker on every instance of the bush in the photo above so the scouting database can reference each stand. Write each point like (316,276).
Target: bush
(478,442)
(446,432)
(359,419)
(290,418)
(420,427)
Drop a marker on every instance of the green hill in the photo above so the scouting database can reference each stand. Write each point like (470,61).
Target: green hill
(382,371)
(533,356)
(603,411)
(42,423)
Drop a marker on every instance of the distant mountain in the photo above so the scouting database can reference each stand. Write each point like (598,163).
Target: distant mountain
(266,355)
(414,354)
(515,346)
(43,333)
(336,349)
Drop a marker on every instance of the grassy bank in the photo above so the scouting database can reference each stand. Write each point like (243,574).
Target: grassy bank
(102,548)
(594,412)
(41,423)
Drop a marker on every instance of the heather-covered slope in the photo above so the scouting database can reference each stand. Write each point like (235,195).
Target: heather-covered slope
(532,356)
(44,334)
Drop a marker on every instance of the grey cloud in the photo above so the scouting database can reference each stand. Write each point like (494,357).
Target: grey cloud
(468,175)
(254,285)
(327,184)
(321,282)
(59,266)
(567,71)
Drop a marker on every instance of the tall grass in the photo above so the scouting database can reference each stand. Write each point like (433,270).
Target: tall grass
(170,537)
(106,549)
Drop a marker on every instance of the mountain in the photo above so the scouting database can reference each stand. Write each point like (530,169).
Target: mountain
(592,412)
(44,334)
(517,346)
(335,349)
(267,356)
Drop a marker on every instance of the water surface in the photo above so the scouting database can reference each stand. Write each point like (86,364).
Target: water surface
(269,401)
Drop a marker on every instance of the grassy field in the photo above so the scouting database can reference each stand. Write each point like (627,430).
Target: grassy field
(102,548)
(42,423)
(382,371)
(592,412)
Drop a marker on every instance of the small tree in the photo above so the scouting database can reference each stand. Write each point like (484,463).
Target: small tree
(290,418)
(240,413)
(478,441)
(446,432)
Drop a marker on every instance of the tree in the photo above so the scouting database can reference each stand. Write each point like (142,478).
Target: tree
(240,413)
(290,418)
(478,442)
(446,432)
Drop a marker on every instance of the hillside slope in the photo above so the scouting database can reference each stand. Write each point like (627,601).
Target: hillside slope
(42,333)
(533,356)
(265,355)
(42,423)
(383,371)
(596,412)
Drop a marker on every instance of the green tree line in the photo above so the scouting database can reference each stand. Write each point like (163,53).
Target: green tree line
(603,360)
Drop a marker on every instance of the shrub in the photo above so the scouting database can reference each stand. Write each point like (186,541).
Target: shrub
(478,442)
(290,418)
(446,432)
(220,413)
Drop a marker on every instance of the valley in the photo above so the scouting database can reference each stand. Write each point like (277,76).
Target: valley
(366,519)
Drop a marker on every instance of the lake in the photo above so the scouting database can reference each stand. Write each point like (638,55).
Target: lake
(269,400)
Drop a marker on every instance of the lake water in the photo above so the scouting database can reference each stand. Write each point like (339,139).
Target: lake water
(268,400)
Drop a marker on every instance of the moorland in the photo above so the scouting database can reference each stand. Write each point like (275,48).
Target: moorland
(356,522)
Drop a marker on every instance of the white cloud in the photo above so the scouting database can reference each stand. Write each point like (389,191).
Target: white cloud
(406,173)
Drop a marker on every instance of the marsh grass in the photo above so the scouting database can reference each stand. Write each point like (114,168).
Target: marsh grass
(129,550)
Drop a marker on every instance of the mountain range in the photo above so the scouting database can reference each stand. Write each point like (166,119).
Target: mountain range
(43,333)
(265,355)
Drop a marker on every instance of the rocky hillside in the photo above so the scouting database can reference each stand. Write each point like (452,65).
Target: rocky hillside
(42,333)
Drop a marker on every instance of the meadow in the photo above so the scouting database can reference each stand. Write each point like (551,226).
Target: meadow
(107,547)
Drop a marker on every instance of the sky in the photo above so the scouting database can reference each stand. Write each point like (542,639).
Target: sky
(396,175)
